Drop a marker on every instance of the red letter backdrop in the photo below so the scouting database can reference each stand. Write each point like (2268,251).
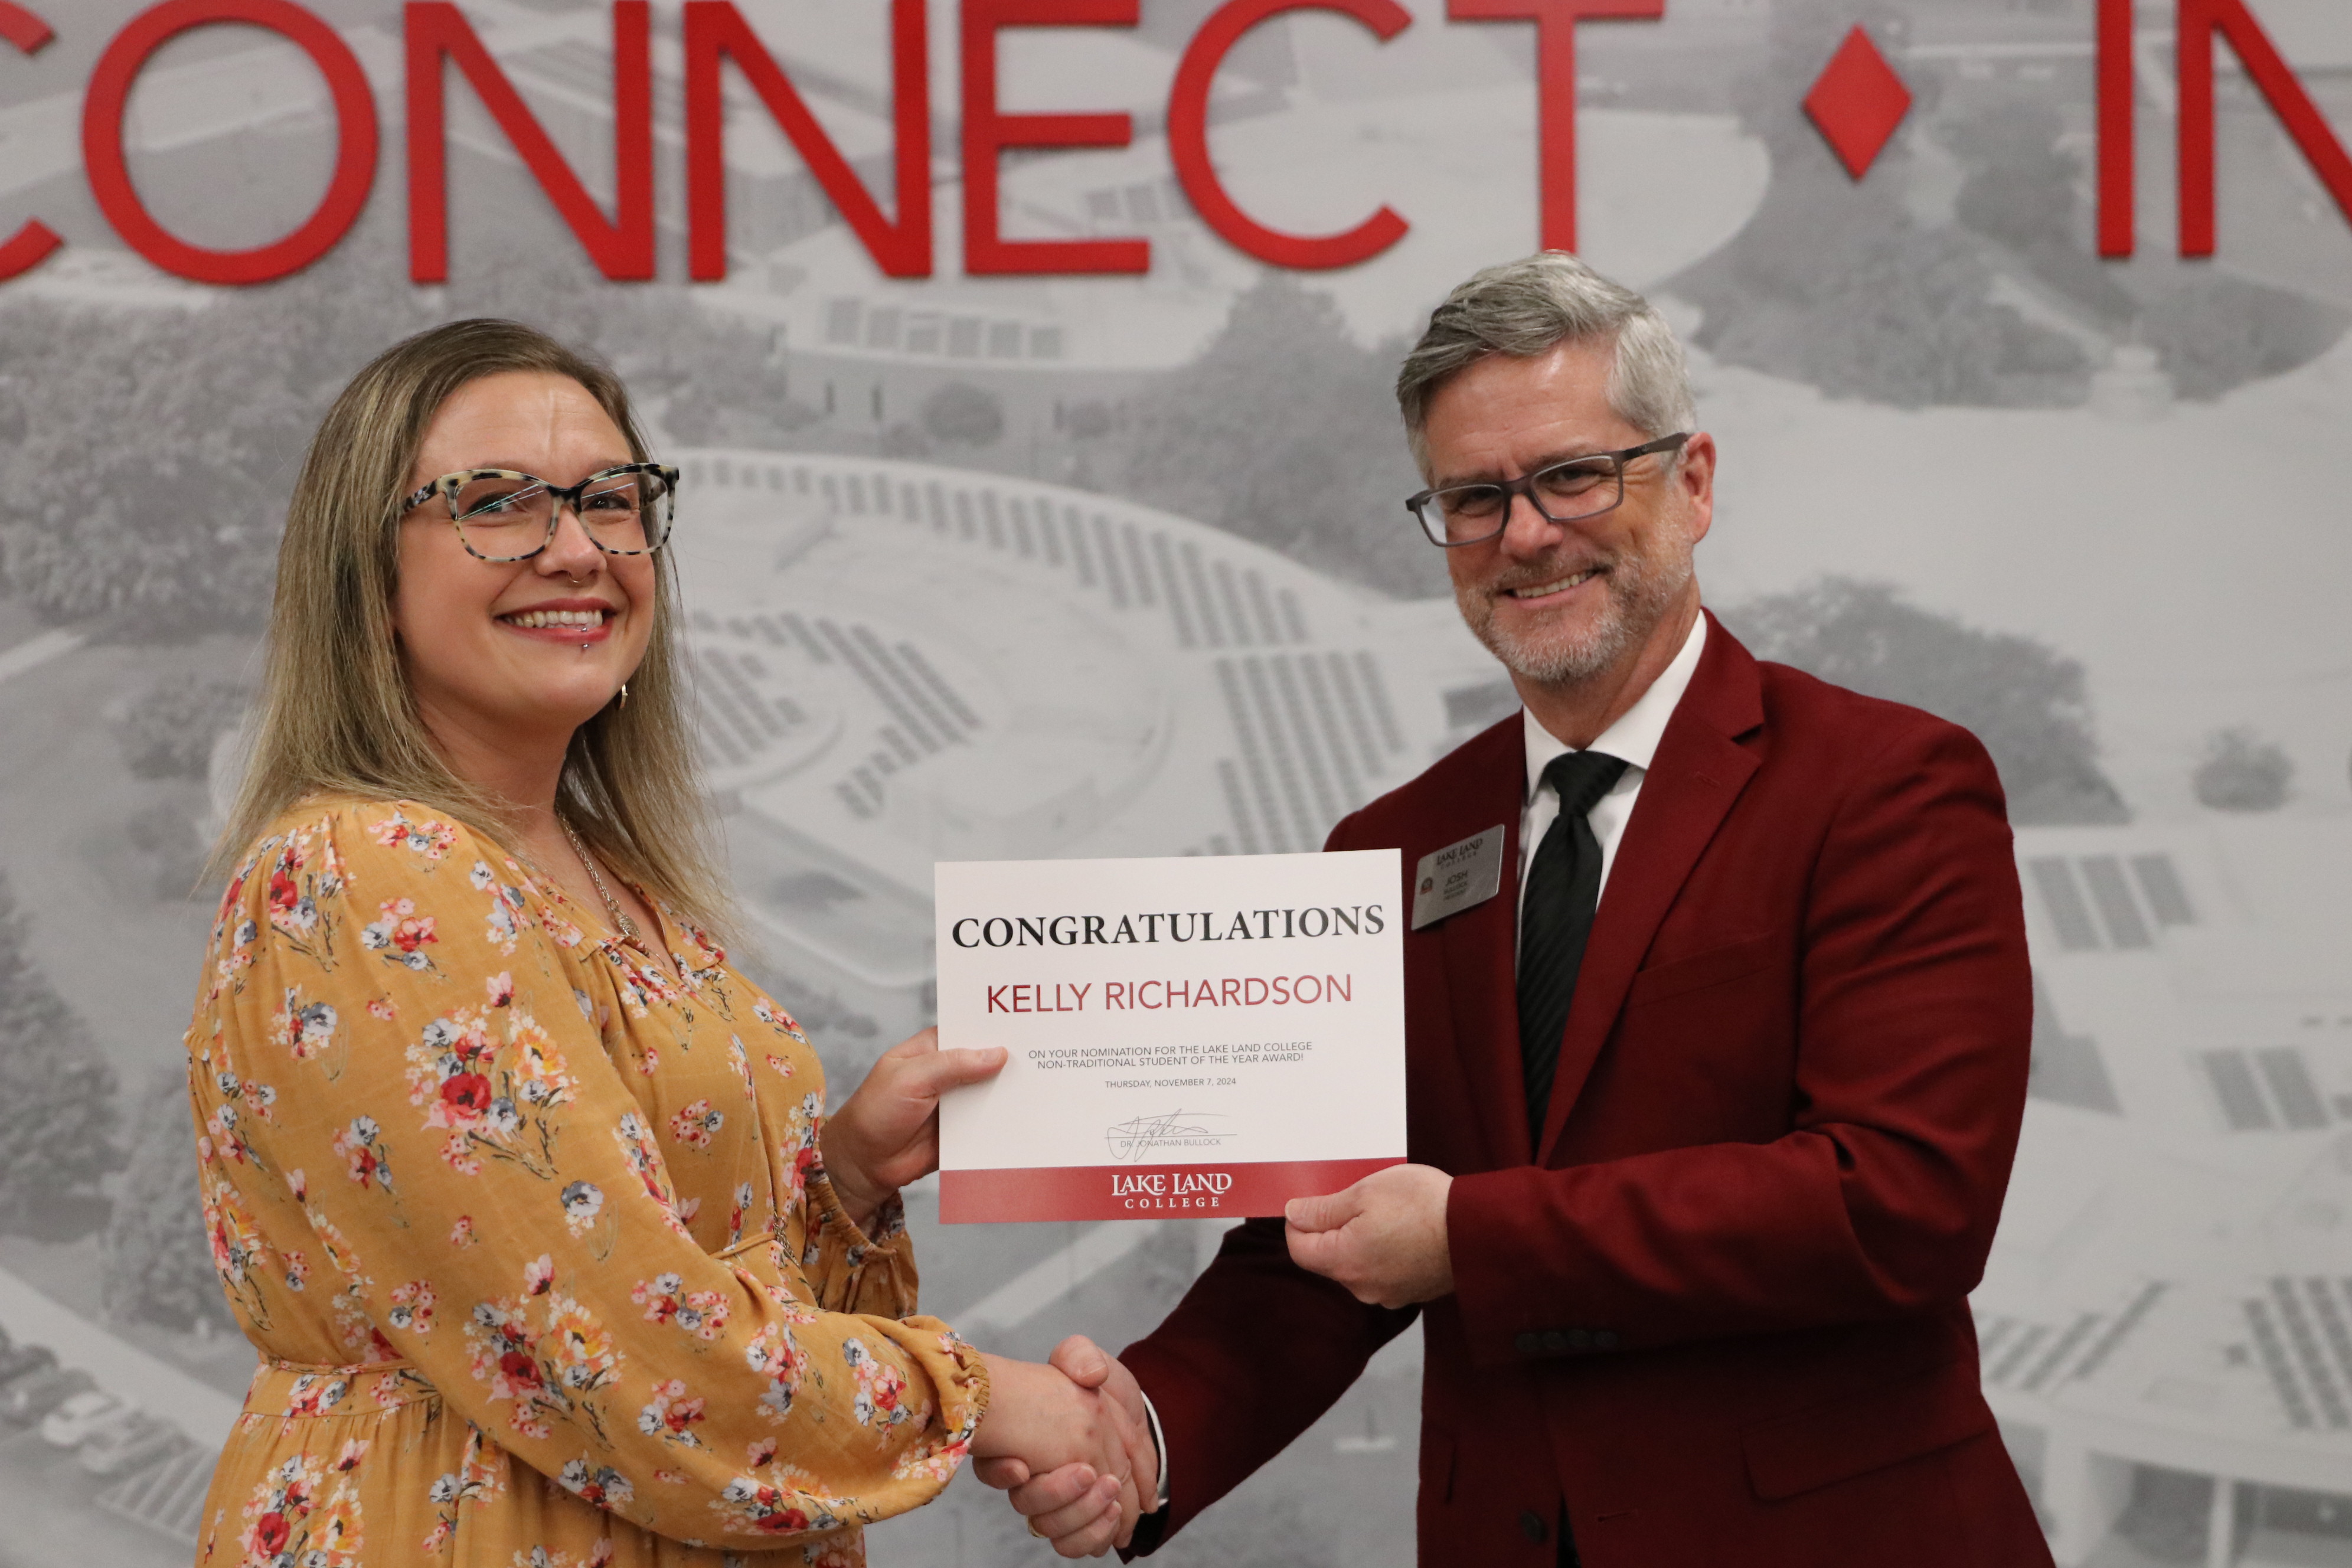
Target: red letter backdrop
(29,246)
(986,133)
(2115,144)
(1555,22)
(622,249)
(109,176)
(2198,21)
(1187,139)
(715,31)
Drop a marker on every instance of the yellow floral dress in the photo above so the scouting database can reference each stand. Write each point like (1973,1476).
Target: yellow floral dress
(530,1230)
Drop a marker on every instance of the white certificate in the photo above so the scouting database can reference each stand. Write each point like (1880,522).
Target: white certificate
(1203,1038)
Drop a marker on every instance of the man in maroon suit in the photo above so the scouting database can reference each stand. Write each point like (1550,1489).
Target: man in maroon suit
(1711,1101)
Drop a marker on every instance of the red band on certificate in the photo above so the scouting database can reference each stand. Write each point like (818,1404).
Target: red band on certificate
(1142,1192)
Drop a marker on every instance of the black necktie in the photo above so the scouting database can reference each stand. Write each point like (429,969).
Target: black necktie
(1556,917)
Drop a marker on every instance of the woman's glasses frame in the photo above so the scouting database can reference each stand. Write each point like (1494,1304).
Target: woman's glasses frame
(449,487)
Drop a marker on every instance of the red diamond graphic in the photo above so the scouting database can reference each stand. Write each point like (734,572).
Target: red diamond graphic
(1857,103)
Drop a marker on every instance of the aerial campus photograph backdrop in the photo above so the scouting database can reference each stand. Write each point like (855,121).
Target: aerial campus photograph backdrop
(1042,498)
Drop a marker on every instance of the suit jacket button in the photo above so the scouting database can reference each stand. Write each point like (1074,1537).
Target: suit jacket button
(1604,1339)
(1532,1526)
(1527,1344)
(1579,1339)
(1555,1341)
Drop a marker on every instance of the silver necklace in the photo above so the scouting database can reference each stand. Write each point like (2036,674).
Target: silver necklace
(621,921)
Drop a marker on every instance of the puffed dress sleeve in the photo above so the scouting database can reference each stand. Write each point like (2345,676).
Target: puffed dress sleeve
(854,1270)
(408,1055)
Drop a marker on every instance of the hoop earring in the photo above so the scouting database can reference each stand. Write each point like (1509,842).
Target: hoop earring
(624,695)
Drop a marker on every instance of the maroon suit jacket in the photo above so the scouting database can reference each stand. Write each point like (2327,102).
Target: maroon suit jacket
(1719,1315)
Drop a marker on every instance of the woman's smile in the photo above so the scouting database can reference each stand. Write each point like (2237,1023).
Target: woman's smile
(563,620)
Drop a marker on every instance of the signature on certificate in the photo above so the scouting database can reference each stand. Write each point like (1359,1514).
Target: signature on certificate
(1177,1129)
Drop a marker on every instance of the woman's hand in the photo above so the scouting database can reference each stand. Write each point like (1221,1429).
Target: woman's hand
(1059,1503)
(1043,1423)
(887,1133)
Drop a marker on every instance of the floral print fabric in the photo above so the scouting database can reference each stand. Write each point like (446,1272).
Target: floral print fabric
(530,1229)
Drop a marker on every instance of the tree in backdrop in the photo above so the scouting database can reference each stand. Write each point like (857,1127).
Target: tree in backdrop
(2026,190)
(962,414)
(905,440)
(168,731)
(1285,431)
(1839,285)
(58,1112)
(2023,189)
(174,534)
(2212,332)
(2241,771)
(165,534)
(2019,187)
(156,1262)
(2022,697)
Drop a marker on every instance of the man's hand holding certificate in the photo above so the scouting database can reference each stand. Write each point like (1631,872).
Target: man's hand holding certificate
(1199,1037)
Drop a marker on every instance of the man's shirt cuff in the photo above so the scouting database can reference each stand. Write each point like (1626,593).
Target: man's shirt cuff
(1158,1447)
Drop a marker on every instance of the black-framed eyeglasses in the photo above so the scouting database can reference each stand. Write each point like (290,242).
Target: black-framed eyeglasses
(503,515)
(1582,487)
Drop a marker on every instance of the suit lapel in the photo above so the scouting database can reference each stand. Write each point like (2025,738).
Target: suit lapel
(1477,947)
(1698,774)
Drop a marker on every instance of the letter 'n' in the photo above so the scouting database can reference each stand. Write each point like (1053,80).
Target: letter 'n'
(2196,22)
(714,30)
(622,248)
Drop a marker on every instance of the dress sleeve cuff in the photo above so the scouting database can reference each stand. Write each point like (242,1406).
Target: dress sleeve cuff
(888,1226)
(875,1272)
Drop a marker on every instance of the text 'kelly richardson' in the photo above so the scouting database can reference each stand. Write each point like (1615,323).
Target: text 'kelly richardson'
(1156,995)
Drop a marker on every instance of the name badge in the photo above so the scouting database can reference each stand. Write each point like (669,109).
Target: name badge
(1453,878)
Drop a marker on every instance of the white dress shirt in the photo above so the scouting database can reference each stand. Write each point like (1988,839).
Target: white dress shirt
(1634,738)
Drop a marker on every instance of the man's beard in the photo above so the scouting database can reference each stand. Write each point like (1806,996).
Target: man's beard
(1636,592)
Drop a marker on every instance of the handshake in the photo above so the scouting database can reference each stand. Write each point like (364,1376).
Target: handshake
(1070,1439)
(1071,1442)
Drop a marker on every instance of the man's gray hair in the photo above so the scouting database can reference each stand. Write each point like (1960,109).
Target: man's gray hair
(1529,307)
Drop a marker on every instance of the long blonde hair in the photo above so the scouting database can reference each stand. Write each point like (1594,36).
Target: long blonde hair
(336,714)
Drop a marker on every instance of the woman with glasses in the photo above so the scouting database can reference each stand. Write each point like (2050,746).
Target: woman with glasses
(523,1193)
